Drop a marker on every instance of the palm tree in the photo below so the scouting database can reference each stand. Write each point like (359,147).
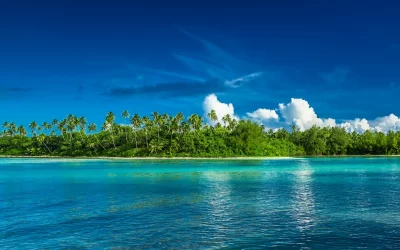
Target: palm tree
(226,119)
(155,146)
(232,124)
(196,121)
(54,125)
(13,129)
(179,118)
(61,126)
(126,115)
(110,118)
(54,122)
(192,120)
(147,123)
(41,138)
(212,116)
(173,123)
(33,126)
(185,127)
(136,122)
(48,126)
(72,122)
(44,127)
(82,125)
(199,122)
(5,126)
(22,131)
(93,127)
(164,120)
(294,128)
(156,121)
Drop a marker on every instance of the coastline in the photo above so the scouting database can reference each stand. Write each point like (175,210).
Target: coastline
(152,158)
(195,158)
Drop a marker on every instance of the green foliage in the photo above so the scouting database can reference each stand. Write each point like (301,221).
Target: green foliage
(168,136)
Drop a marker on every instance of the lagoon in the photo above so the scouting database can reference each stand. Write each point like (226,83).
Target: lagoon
(337,203)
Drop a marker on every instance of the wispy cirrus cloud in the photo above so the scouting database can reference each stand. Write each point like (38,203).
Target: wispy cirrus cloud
(167,73)
(235,83)
(216,53)
(209,69)
(216,62)
(202,67)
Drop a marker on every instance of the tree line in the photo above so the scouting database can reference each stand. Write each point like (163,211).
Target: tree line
(165,135)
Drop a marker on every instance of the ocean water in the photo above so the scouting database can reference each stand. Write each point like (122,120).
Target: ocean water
(341,203)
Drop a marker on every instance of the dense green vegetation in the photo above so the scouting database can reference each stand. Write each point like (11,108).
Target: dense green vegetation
(164,135)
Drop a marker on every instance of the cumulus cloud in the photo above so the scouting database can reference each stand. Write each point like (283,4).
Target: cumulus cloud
(211,102)
(263,115)
(299,112)
(380,124)
(358,125)
(386,123)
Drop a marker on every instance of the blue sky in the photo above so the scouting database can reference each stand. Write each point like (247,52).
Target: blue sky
(88,58)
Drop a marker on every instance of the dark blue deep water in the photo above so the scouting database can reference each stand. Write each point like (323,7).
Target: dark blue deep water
(326,203)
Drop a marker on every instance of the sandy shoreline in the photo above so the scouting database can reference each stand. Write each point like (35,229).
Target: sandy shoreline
(148,158)
(194,158)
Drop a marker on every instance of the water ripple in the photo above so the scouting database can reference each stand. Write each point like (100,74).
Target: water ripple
(294,204)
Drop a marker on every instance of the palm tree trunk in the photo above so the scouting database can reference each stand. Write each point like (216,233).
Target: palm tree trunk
(99,142)
(126,135)
(80,133)
(47,147)
(147,143)
(112,137)
(170,144)
(158,136)
(136,139)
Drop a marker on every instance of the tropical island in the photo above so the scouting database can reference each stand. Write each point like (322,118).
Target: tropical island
(174,136)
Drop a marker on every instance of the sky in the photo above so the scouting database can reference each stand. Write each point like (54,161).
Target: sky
(276,62)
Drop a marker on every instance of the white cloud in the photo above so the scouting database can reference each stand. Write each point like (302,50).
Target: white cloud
(235,83)
(380,124)
(386,123)
(299,112)
(264,115)
(358,125)
(211,102)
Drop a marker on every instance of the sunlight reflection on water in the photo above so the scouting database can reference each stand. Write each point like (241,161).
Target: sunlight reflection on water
(303,202)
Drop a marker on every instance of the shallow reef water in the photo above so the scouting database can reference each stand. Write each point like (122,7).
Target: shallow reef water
(305,203)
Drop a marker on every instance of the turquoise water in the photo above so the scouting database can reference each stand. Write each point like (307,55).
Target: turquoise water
(189,204)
